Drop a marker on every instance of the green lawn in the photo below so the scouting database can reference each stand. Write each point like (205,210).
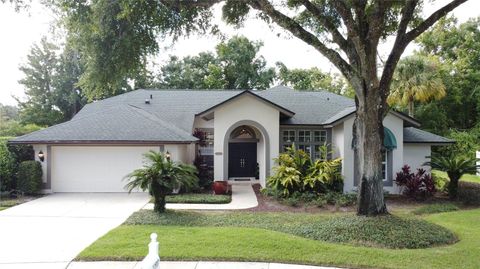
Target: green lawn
(199,198)
(466,177)
(129,242)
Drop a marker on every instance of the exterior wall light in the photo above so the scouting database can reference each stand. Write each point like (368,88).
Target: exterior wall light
(41,156)
(167,155)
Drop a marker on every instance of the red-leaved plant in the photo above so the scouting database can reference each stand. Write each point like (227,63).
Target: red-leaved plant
(417,185)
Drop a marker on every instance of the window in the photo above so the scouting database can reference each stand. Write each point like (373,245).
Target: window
(320,136)
(304,136)
(317,152)
(306,148)
(288,136)
(384,165)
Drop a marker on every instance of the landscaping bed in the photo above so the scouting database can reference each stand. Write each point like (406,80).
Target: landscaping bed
(198,198)
(287,237)
(10,202)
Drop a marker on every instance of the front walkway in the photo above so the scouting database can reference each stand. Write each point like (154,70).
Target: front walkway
(193,265)
(50,231)
(243,197)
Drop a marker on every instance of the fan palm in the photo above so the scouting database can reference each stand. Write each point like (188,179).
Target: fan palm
(455,167)
(160,176)
(415,80)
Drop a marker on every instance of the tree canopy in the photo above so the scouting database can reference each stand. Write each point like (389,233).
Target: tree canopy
(116,36)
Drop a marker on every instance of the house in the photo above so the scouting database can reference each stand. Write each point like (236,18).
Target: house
(246,130)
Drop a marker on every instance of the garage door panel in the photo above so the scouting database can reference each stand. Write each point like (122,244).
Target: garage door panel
(94,169)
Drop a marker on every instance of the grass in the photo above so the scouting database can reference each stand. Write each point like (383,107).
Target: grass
(435,208)
(466,177)
(129,242)
(199,198)
(408,233)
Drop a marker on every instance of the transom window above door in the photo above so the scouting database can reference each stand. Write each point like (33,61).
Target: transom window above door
(243,132)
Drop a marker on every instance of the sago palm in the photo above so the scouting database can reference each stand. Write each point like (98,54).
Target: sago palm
(415,80)
(160,176)
(455,167)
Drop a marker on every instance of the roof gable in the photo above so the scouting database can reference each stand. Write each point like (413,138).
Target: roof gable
(208,113)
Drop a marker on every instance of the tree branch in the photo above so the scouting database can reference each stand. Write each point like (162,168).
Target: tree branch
(297,30)
(414,33)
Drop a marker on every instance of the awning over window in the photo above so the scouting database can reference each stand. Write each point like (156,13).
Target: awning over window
(389,141)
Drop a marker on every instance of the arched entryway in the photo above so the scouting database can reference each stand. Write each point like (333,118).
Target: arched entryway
(242,153)
(247,133)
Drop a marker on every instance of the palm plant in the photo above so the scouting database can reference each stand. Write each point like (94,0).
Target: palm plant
(415,80)
(455,167)
(160,176)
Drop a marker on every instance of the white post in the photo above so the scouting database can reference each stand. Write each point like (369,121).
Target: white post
(152,260)
(478,162)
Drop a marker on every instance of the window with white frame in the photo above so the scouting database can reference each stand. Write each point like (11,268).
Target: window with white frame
(304,136)
(384,165)
(320,136)
(288,136)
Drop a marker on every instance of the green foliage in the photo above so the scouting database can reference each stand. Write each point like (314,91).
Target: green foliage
(455,167)
(416,80)
(198,198)
(313,79)
(435,208)
(458,48)
(50,85)
(386,231)
(295,172)
(469,193)
(15,128)
(7,167)
(235,65)
(160,176)
(441,180)
(29,177)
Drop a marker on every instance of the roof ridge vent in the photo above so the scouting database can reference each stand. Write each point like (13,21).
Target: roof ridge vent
(147,101)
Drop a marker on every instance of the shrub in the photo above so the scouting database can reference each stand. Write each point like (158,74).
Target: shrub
(440,179)
(7,167)
(295,172)
(436,208)
(29,177)
(469,193)
(417,185)
(321,202)
(292,201)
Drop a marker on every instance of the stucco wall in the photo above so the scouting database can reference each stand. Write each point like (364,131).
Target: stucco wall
(415,155)
(395,125)
(44,163)
(245,109)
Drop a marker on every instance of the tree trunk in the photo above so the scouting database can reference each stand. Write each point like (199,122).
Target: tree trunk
(411,108)
(453,185)
(368,134)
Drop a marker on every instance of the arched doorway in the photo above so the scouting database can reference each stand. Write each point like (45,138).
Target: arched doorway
(242,153)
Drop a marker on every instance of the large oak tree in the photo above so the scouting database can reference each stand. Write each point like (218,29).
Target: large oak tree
(117,35)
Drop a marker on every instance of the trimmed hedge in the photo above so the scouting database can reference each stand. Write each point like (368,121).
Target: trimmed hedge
(29,177)
(7,166)
(469,193)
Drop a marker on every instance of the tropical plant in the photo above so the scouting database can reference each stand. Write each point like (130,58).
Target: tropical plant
(160,176)
(296,172)
(419,185)
(416,80)
(455,167)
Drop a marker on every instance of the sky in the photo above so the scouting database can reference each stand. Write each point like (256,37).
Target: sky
(19,30)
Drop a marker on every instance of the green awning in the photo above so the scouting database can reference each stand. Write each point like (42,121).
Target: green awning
(389,141)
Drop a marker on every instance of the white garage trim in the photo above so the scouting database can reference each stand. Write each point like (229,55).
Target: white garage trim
(94,168)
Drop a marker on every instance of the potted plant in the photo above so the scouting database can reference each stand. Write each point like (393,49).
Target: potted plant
(220,187)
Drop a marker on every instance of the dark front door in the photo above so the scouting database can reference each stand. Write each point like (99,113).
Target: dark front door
(242,159)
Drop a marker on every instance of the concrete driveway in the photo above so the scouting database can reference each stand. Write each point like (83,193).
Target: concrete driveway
(50,231)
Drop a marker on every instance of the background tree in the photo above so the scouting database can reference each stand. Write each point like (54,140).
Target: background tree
(235,65)
(458,50)
(416,80)
(115,35)
(50,85)
(313,79)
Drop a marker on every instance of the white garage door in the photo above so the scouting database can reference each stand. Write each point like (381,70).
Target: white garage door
(94,168)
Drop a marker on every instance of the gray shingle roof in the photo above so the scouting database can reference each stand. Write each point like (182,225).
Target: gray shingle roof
(171,113)
(414,135)
(116,123)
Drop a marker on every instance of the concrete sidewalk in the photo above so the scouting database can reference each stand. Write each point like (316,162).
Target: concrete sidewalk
(194,265)
(243,197)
